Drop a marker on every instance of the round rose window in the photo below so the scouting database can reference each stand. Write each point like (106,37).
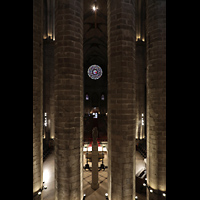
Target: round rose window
(95,72)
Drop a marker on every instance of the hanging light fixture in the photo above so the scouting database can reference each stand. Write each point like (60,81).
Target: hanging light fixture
(95,11)
(95,6)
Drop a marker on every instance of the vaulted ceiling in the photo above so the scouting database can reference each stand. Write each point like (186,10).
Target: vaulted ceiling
(95,39)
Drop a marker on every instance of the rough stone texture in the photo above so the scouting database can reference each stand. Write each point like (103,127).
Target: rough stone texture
(156,96)
(68,99)
(121,100)
(122,96)
(37,97)
(95,176)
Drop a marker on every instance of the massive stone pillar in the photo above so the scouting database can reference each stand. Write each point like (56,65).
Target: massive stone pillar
(37,99)
(68,99)
(156,99)
(95,184)
(121,100)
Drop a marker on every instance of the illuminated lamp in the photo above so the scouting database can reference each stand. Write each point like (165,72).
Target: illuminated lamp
(106,195)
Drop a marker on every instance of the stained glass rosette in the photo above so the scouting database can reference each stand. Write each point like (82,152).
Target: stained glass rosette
(95,72)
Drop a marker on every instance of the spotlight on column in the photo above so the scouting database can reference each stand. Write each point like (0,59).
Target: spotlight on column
(84,196)
(45,187)
(106,195)
(164,195)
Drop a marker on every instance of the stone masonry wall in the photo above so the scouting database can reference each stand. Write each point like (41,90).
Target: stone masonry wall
(37,98)
(121,100)
(68,90)
(156,98)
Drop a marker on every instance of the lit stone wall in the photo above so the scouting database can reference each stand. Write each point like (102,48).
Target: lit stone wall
(156,98)
(48,101)
(37,98)
(140,60)
(121,100)
(68,90)
(140,88)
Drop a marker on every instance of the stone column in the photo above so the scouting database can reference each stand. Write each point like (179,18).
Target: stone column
(68,92)
(37,98)
(121,100)
(95,184)
(156,98)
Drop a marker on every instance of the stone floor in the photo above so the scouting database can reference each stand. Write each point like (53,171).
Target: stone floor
(87,181)
(48,177)
(99,194)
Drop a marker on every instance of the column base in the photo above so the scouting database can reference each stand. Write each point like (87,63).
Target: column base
(155,195)
(95,186)
(37,197)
